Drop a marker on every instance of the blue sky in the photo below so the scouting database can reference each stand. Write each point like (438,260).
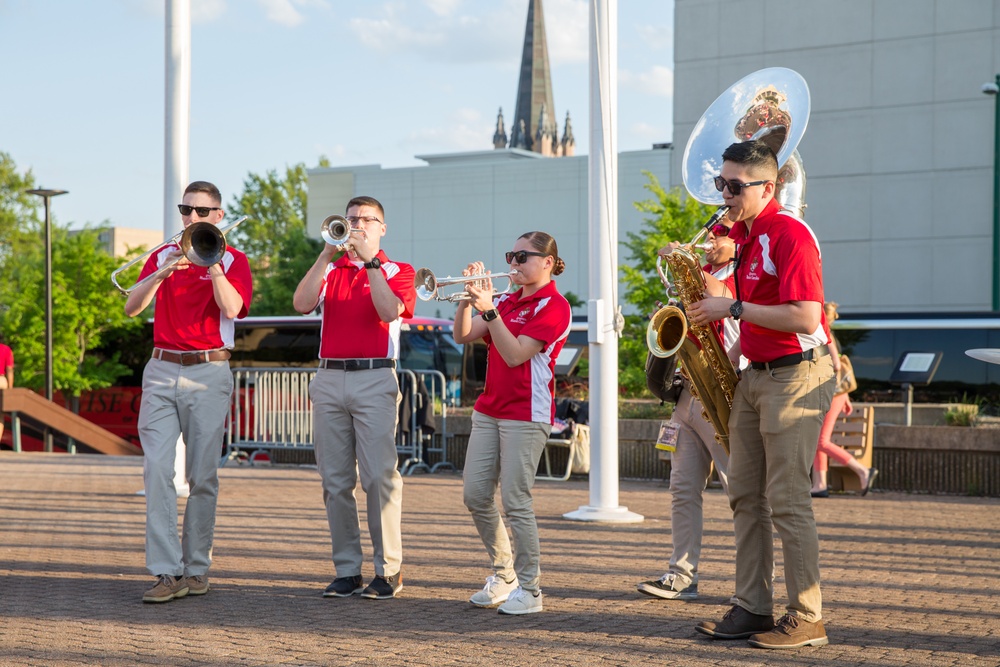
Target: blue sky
(278,82)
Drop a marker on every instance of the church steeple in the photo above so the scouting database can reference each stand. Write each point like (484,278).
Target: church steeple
(534,91)
(500,134)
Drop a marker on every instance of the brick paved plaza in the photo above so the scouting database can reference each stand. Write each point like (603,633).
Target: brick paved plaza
(907,580)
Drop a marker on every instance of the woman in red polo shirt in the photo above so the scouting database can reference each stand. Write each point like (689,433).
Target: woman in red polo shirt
(524,332)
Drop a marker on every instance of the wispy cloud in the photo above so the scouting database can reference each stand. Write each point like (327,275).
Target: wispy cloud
(467,130)
(658,81)
(286,12)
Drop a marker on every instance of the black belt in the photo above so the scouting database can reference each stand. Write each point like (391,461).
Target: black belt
(356,364)
(791,359)
(191,358)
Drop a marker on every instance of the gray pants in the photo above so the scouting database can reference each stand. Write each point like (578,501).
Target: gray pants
(506,451)
(195,401)
(690,468)
(354,426)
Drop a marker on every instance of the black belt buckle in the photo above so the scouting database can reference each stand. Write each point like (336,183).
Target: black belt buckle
(356,364)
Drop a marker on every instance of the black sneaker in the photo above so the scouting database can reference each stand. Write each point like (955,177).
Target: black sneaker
(345,587)
(383,588)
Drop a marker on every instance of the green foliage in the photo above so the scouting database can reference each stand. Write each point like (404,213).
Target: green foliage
(574,300)
(669,217)
(275,238)
(966,413)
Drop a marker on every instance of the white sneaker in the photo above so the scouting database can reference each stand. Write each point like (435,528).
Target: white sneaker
(521,601)
(494,592)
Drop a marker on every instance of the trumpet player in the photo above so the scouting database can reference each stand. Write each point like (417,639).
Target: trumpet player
(524,332)
(355,394)
(186,390)
(696,448)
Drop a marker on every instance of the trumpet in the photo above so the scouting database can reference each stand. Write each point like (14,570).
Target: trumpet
(428,286)
(202,243)
(336,231)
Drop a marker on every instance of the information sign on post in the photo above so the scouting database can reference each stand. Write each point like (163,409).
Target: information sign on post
(914,368)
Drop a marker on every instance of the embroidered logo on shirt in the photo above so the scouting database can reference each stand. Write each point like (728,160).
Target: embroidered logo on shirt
(520,318)
(752,274)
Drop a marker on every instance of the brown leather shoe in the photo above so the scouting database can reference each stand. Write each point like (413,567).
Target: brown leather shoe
(738,623)
(791,632)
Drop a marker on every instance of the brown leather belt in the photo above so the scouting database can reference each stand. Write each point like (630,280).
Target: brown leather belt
(791,359)
(356,364)
(191,358)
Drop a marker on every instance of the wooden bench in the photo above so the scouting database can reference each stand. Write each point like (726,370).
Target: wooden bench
(856,434)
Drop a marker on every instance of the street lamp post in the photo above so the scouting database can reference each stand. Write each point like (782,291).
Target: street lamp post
(993,89)
(47,195)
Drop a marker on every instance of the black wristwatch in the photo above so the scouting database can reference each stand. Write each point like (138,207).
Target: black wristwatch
(376,263)
(736,310)
(490,315)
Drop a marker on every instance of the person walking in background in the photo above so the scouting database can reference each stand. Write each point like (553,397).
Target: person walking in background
(524,332)
(826,449)
(6,371)
(187,389)
(355,394)
(778,405)
(696,448)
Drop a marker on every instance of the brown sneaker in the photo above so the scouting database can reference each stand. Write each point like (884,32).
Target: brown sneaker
(166,589)
(197,584)
(738,623)
(791,632)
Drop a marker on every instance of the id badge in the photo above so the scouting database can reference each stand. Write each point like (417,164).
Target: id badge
(667,439)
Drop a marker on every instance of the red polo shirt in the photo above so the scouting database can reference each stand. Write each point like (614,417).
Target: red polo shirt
(779,261)
(6,358)
(527,392)
(352,328)
(186,316)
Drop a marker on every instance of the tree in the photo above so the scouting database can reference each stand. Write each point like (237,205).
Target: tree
(274,237)
(671,218)
(85,307)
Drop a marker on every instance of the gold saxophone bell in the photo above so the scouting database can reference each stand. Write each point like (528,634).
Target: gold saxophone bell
(666,331)
(428,286)
(202,243)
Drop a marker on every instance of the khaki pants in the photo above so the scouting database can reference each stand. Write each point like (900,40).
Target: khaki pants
(774,426)
(354,427)
(195,401)
(506,452)
(690,468)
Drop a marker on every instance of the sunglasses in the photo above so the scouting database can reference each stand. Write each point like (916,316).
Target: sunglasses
(364,220)
(720,230)
(735,187)
(203,211)
(522,256)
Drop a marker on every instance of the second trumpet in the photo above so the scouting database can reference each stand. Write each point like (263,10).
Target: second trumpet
(428,285)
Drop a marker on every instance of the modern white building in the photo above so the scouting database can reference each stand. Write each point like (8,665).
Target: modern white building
(472,206)
(899,151)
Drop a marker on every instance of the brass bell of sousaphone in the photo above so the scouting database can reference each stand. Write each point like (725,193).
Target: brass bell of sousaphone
(772,105)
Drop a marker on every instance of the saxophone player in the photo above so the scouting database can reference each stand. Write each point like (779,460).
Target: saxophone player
(696,448)
(778,406)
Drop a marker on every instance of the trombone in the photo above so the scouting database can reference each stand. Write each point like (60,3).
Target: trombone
(428,286)
(202,243)
(336,231)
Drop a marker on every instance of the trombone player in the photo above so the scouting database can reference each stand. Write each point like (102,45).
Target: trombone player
(363,296)
(186,390)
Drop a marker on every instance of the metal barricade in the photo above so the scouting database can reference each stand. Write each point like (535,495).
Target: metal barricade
(271,410)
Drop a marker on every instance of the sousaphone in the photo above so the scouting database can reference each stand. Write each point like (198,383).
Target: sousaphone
(772,105)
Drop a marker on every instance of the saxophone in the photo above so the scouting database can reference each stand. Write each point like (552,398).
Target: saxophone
(703,358)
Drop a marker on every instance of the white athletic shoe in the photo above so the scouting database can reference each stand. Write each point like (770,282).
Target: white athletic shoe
(521,601)
(494,592)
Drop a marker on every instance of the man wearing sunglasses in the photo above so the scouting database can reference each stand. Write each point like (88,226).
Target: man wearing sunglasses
(695,446)
(186,390)
(363,296)
(778,407)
